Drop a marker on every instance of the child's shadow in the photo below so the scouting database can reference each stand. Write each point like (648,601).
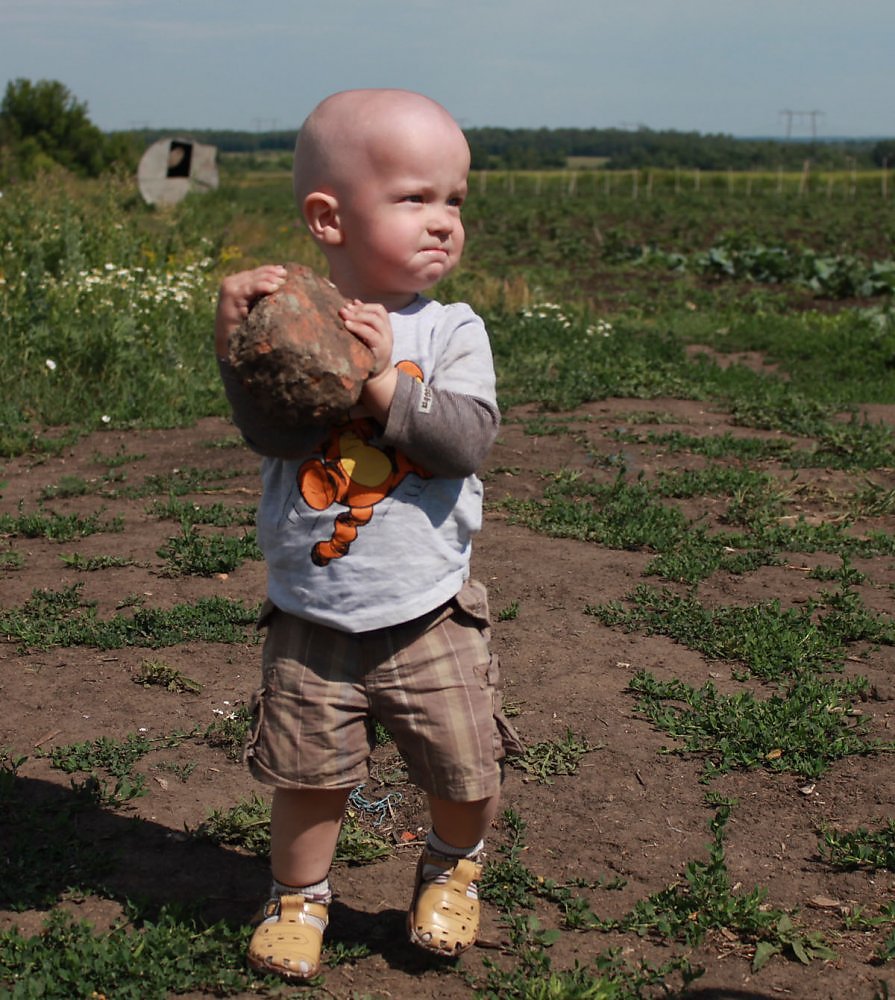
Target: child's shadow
(55,839)
(57,842)
(383,933)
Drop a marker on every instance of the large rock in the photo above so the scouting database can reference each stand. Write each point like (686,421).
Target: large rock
(295,357)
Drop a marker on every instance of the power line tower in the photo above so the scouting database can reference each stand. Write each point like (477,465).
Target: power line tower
(788,114)
(791,116)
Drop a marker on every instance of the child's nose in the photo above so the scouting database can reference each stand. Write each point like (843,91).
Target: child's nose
(440,220)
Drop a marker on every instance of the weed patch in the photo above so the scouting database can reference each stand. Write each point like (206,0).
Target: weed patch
(801,731)
(193,554)
(705,901)
(142,960)
(861,848)
(157,673)
(90,564)
(770,641)
(545,760)
(57,527)
(60,618)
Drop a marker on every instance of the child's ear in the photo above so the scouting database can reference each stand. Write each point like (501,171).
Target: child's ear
(321,212)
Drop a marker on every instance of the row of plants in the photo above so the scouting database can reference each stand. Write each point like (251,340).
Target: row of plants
(107,305)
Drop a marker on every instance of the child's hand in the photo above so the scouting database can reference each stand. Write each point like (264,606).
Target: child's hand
(237,295)
(369,322)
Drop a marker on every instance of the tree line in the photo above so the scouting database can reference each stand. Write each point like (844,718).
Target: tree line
(43,125)
(613,148)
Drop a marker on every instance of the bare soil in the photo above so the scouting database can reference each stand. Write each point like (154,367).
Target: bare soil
(631,812)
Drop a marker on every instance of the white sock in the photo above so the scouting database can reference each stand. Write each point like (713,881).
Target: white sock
(319,892)
(436,873)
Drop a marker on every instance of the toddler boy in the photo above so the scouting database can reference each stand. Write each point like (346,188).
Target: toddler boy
(366,529)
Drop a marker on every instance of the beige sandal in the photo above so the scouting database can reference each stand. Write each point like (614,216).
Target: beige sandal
(443,918)
(289,939)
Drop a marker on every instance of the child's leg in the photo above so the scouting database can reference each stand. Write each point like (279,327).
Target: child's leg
(463,825)
(304,829)
(444,914)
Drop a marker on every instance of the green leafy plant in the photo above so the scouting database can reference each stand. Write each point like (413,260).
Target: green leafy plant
(510,613)
(57,527)
(860,848)
(801,731)
(60,618)
(89,564)
(116,759)
(704,901)
(10,763)
(193,554)
(10,559)
(549,758)
(160,674)
(229,731)
(149,961)
(188,513)
(247,825)
(772,642)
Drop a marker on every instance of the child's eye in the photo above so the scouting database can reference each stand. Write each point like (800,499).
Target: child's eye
(417,199)
(455,202)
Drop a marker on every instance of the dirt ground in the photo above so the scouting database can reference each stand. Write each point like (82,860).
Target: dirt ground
(630,813)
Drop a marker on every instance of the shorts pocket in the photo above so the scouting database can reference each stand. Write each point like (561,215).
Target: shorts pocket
(256,710)
(268,610)
(506,737)
(472,599)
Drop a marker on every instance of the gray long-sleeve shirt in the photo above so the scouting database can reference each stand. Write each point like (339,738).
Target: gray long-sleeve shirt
(364,527)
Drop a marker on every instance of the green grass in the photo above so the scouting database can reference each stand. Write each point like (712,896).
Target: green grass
(704,900)
(194,554)
(157,673)
(57,527)
(860,848)
(60,618)
(801,730)
(547,759)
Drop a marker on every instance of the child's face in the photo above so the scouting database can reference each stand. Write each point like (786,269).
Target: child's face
(400,215)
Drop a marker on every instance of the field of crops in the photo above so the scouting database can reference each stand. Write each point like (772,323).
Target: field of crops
(689,546)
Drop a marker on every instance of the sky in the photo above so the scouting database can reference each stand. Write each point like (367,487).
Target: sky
(740,67)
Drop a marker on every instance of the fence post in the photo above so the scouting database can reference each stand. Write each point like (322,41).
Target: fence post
(803,180)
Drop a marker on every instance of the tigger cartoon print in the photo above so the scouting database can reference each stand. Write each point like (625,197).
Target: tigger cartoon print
(354,474)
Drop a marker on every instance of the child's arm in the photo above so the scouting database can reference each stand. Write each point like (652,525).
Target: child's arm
(449,423)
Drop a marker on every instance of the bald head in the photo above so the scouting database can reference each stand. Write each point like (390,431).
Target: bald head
(344,134)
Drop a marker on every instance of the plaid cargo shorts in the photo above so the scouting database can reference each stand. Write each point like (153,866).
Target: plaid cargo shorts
(432,682)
